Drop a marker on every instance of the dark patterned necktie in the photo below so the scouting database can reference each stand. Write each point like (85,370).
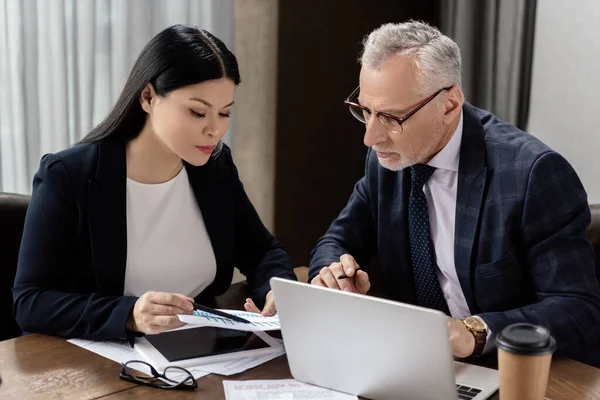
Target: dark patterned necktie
(422,253)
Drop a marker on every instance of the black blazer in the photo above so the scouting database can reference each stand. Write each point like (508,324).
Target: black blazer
(72,260)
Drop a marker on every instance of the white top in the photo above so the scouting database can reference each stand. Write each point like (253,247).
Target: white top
(440,191)
(168,247)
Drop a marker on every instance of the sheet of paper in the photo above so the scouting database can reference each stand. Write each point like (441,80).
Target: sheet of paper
(283,389)
(118,351)
(121,352)
(240,365)
(257,321)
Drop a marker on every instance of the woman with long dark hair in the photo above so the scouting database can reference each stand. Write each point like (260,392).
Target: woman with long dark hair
(147,213)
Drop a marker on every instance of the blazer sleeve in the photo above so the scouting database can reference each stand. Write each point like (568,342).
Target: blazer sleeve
(353,232)
(48,245)
(257,254)
(559,260)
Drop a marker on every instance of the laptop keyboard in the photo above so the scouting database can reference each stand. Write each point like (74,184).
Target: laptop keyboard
(466,392)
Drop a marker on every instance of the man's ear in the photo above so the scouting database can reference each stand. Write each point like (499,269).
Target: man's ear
(453,104)
(148,98)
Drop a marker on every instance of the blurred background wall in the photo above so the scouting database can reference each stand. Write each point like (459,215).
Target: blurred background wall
(320,154)
(565,88)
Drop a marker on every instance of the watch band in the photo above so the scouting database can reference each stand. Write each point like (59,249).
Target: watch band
(480,341)
(480,336)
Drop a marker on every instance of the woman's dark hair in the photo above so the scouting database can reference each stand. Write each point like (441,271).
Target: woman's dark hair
(176,57)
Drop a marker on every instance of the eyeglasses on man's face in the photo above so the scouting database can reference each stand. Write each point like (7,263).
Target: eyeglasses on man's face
(175,378)
(390,121)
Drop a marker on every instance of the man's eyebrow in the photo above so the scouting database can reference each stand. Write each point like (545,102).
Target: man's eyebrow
(394,111)
(399,111)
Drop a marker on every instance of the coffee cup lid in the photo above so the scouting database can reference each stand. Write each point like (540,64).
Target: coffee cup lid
(526,339)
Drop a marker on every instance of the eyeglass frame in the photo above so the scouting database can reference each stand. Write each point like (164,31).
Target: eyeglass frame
(399,120)
(127,375)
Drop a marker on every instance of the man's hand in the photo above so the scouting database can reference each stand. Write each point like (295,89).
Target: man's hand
(156,312)
(268,310)
(461,340)
(356,281)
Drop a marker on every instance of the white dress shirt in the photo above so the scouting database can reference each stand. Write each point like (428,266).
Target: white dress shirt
(440,191)
(168,247)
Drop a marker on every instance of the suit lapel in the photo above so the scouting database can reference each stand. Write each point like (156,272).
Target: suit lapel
(472,175)
(108,217)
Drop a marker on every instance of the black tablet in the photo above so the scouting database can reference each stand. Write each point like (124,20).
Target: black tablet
(204,341)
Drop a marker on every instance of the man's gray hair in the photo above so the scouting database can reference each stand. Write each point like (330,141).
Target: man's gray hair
(436,56)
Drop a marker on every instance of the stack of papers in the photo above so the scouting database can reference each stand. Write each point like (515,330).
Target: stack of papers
(121,352)
(282,389)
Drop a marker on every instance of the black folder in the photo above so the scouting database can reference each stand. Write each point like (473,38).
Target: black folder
(203,342)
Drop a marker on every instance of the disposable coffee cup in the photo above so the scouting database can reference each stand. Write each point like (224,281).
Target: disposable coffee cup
(524,356)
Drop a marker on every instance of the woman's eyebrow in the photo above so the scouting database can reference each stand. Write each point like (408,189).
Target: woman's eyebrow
(207,103)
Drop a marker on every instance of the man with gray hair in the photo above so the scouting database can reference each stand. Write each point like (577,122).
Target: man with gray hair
(469,215)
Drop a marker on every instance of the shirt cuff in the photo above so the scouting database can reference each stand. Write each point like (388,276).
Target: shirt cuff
(490,341)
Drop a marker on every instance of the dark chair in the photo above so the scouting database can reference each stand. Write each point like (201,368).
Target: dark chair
(594,235)
(13,208)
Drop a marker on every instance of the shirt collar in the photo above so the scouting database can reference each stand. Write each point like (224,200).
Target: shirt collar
(449,156)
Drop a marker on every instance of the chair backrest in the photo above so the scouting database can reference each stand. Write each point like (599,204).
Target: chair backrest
(13,208)
(594,235)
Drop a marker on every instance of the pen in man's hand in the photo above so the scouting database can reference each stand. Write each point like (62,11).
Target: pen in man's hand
(344,276)
(220,313)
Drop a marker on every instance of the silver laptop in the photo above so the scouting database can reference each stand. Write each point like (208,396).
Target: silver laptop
(375,348)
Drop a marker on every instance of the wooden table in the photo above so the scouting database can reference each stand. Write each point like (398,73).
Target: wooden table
(43,367)
(46,367)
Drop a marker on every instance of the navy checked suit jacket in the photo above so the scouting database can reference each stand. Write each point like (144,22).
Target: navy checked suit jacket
(521,250)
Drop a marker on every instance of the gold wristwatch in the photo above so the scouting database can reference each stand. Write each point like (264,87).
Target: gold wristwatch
(479,330)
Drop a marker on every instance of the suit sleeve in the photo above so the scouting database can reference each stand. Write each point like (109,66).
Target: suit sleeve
(48,244)
(559,260)
(353,231)
(257,254)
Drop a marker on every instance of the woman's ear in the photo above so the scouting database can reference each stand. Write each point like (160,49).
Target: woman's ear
(148,98)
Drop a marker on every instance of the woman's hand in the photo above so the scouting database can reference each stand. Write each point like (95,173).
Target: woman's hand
(269,308)
(156,312)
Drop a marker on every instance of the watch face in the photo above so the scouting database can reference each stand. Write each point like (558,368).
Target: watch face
(475,323)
